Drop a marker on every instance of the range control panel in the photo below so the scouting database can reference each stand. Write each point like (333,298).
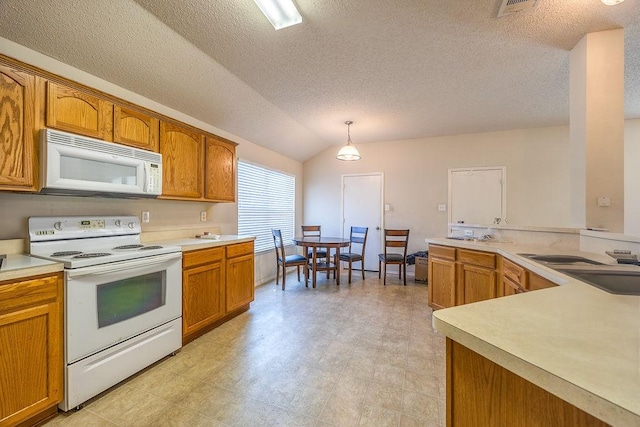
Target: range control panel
(62,228)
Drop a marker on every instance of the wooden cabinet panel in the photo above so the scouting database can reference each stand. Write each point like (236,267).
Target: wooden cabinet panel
(220,169)
(482,393)
(31,343)
(78,112)
(536,282)
(17,118)
(202,296)
(443,252)
(514,272)
(475,284)
(202,257)
(182,161)
(484,259)
(240,275)
(509,287)
(136,129)
(442,282)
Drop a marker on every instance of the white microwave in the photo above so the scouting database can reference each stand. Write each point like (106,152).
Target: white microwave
(78,165)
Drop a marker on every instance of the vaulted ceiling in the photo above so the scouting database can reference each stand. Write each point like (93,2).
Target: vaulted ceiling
(399,70)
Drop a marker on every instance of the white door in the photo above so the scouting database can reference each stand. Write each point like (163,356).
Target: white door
(362,207)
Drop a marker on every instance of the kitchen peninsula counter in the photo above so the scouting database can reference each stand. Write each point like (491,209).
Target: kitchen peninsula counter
(193,243)
(576,341)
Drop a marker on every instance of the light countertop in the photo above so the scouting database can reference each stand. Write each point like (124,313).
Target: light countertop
(17,266)
(576,341)
(192,244)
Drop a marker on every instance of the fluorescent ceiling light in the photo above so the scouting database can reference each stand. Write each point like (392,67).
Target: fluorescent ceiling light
(281,13)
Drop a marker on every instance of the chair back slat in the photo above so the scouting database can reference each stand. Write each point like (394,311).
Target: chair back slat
(396,239)
(358,235)
(311,231)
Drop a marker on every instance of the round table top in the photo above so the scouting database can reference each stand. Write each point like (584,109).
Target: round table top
(321,241)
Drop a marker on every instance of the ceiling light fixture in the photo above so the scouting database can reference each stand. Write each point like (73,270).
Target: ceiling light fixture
(349,152)
(611,2)
(281,13)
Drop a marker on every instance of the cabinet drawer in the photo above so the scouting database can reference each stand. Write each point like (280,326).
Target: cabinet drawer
(239,249)
(30,292)
(483,259)
(444,252)
(202,256)
(513,272)
(536,282)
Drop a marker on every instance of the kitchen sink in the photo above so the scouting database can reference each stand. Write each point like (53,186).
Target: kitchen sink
(561,259)
(619,282)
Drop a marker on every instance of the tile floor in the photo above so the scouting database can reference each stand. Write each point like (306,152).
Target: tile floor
(360,354)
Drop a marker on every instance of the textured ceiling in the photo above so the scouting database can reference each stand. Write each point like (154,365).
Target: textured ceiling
(399,70)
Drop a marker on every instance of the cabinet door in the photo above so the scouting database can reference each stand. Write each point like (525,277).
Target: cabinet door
(240,288)
(31,346)
(220,182)
(17,106)
(78,112)
(536,282)
(442,283)
(475,284)
(182,161)
(136,129)
(509,287)
(202,296)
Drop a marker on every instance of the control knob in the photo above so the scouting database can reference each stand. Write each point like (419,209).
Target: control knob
(57,225)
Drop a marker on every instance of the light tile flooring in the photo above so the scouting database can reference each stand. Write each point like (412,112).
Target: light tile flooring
(360,354)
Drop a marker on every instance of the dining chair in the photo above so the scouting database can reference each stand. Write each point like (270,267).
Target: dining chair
(314,231)
(358,236)
(283,260)
(395,239)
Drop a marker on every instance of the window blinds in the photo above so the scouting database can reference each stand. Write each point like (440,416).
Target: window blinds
(266,200)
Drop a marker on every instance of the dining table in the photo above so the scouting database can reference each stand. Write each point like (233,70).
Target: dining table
(322,242)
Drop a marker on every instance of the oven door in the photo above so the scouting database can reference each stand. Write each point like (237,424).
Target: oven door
(107,304)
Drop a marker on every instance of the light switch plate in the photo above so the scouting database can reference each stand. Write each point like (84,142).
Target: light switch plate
(442,207)
(604,201)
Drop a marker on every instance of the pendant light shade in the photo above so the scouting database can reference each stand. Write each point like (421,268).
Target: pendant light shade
(349,152)
(611,2)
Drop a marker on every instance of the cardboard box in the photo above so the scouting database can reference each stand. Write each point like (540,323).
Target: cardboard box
(422,269)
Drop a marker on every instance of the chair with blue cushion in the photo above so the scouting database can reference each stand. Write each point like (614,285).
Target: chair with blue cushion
(283,260)
(396,240)
(358,236)
(322,253)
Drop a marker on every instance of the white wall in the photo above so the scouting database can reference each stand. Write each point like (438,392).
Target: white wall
(632,177)
(415,173)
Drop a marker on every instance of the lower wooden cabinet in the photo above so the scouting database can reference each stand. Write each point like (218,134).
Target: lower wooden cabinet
(203,289)
(240,288)
(483,393)
(31,348)
(461,276)
(217,285)
(442,270)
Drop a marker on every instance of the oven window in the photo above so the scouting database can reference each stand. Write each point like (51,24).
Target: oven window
(127,298)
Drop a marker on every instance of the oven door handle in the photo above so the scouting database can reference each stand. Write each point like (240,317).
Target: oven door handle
(126,265)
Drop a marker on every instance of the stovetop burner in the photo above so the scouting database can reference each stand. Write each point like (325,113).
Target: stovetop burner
(129,247)
(151,247)
(65,253)
(93,255)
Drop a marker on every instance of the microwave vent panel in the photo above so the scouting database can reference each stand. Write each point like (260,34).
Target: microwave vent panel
(512,6)
(64,138)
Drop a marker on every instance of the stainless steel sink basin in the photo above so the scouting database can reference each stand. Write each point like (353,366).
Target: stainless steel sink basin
(613,281)
(561,259)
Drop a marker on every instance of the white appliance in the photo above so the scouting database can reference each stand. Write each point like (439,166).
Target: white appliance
(123,299)
(78,165)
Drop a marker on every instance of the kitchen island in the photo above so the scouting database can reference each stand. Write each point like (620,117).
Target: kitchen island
(575,341)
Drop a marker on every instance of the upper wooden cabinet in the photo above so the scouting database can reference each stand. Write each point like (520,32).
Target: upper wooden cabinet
(78,112)
(131,127)
(220,178)
(17,118)
(182,161)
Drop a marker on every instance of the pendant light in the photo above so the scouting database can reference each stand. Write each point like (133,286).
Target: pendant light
(349,152)
(611,2)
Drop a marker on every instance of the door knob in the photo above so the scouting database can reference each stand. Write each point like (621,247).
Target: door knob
(377,228)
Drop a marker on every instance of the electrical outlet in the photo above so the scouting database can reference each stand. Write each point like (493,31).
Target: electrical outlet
(203,216)
(468,233)
(145,216)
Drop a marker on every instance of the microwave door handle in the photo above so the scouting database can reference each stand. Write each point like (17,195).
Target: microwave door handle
(147,177)
(126,265)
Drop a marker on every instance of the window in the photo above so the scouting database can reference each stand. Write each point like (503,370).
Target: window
(266,200)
